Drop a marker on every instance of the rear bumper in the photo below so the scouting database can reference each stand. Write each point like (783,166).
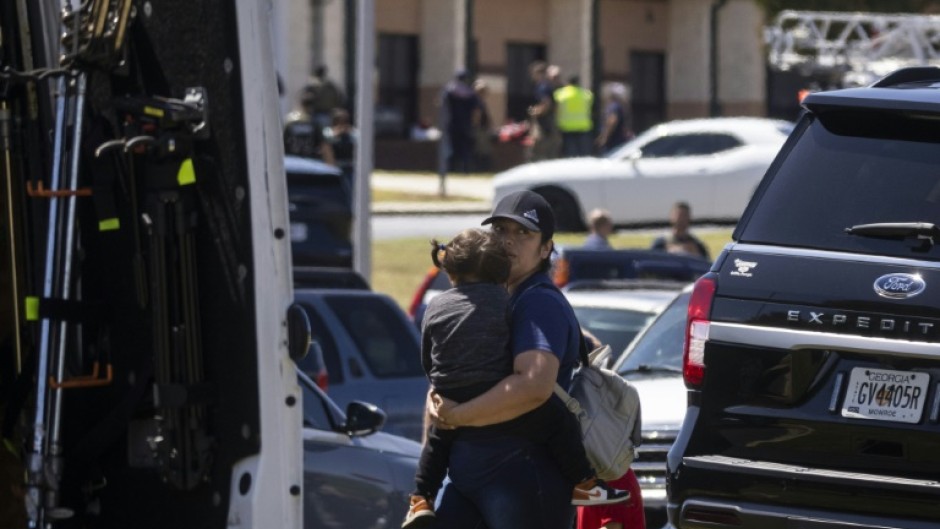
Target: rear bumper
(717,491)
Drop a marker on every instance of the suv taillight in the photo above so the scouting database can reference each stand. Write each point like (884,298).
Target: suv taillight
(696,332)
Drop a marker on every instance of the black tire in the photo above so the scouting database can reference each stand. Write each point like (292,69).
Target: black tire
(568,215)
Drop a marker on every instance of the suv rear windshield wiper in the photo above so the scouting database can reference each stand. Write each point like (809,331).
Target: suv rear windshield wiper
(896,230)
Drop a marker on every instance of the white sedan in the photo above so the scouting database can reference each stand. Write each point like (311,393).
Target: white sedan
(714,164)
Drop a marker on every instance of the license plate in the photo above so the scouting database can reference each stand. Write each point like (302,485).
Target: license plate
(885,395)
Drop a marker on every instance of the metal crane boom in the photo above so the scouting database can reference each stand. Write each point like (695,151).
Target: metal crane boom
(853,43)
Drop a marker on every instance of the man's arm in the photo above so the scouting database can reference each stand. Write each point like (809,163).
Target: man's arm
(530,385)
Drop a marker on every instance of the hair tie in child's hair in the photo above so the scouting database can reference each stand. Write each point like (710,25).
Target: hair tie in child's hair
(437,253)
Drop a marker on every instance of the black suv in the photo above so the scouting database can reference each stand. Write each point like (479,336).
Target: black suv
(812,354)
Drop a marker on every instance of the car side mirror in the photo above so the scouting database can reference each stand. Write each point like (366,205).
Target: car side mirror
(633,156)
(363,418)
(298,332)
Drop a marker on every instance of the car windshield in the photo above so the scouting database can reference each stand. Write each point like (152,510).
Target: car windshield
(659,348)
(386,339)
(614,327)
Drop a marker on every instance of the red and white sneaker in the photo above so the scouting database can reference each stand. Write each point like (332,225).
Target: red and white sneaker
(420,514)
(597,492)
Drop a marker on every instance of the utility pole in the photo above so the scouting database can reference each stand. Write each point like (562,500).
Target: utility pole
(365,59)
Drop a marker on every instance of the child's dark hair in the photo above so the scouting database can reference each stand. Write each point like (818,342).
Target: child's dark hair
(472,253)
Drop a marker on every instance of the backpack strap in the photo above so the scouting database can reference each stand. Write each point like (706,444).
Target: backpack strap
(570,402)
(583,349)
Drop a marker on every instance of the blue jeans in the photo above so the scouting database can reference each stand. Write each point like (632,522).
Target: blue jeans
(504,482)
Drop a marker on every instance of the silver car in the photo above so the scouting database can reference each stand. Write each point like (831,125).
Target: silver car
(615,311)
(372,352)
(653,364)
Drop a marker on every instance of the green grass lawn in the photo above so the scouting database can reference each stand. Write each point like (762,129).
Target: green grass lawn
(399,266)
(385,195)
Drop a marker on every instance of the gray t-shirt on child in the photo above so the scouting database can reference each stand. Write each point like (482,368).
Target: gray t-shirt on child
(465,336)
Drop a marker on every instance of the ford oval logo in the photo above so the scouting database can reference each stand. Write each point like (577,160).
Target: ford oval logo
(899,286)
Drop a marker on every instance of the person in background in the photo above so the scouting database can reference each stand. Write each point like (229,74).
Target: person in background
(573,106)
(553,73)
(342,138)
(546,140)
(327,96)
(483,132)
(303,136)
(505,481)
(462,108)
(614,131)
(464,351)
(624,515)
(601,226)
(424,130)
(680,240)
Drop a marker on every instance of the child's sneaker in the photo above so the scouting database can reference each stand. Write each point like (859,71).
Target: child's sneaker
(597,492)
(420,515)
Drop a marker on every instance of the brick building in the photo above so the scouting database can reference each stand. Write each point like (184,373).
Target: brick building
(661,49)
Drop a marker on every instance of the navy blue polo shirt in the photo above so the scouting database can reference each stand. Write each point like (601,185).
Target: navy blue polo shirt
(541,318)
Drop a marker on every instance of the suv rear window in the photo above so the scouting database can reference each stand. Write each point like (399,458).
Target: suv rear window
(849,169)
(386,339)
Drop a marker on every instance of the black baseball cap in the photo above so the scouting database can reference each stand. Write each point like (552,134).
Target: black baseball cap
(527,208)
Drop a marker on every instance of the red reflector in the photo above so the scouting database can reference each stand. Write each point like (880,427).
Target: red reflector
(418,298)
(696,332)
(561,272)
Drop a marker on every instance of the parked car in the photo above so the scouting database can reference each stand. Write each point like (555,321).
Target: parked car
(578,264)
(354,475)
(320,209)
(653,364)
(328,277)
(574,264)
(811,357)
(372,352)
(616,311)
(713,164)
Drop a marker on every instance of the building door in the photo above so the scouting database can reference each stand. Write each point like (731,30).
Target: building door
(397,106)
(519,88)
(647,89)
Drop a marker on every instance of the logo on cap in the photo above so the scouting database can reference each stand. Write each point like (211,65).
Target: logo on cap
(531,215)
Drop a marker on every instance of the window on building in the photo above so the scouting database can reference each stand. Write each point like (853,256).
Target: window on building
(396,108)
(647,89)
(519,86)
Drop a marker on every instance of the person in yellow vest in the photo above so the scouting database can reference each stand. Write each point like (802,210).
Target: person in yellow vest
(573,105)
